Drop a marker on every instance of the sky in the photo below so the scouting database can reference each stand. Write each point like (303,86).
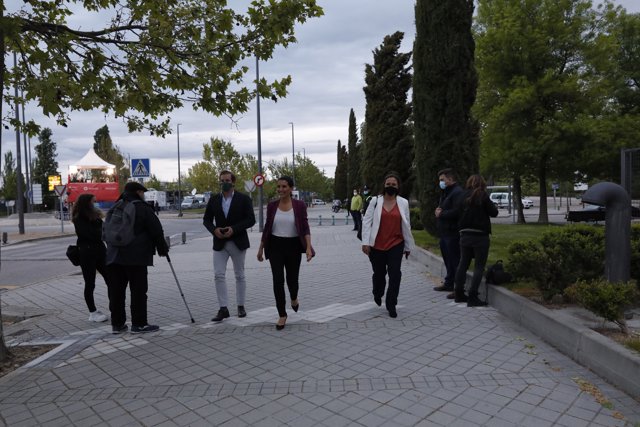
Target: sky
(326,65)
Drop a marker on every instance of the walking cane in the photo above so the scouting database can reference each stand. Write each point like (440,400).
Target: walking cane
(179,288)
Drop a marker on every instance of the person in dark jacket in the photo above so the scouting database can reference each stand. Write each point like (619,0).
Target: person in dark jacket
(447,227)
(475,209)
(128,264)
(286,236)
(87,220)
(228,216)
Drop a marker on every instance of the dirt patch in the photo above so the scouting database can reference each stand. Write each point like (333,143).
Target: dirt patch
(23,354)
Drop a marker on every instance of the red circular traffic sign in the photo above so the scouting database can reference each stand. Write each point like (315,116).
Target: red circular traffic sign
(258,180)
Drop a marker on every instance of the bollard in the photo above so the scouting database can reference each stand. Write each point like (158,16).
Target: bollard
(5,237)
(168,240)
(184,237)
(319,219)
(333,220)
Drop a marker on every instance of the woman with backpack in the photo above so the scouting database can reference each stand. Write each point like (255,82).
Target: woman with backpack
(475,212)
(87,220)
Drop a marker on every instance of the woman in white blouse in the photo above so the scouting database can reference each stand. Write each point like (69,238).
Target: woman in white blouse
(386,236)
(285,238)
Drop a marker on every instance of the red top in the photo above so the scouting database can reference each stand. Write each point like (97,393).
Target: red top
(390,231)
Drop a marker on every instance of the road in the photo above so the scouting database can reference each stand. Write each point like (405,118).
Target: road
(40,261)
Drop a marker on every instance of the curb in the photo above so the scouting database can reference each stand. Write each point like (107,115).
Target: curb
(615,363)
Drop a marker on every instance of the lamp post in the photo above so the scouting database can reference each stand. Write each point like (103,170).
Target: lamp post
(293,156)
(179,178)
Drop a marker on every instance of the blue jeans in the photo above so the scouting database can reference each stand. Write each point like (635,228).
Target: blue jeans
(450,248)
(474,246)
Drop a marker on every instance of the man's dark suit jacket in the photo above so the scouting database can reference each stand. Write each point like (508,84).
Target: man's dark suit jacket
(240,218)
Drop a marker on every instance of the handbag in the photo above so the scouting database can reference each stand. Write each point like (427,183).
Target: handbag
(73,253)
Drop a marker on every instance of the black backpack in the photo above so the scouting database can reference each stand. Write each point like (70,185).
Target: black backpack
(496,274)
(117,229)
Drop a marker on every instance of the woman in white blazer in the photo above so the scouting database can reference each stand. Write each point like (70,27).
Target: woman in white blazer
(386,235)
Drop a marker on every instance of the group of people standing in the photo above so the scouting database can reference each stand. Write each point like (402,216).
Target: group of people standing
(120,266)
(463,224)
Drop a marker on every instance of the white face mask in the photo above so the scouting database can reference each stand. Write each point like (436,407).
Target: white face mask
(355,193)
(443,185)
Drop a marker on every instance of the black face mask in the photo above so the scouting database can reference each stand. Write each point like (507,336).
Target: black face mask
(391,191)
(226,186)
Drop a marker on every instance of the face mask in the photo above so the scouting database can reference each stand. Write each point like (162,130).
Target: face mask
(355,193)
(442,185)
(226,186)
(366,192)
(391,191)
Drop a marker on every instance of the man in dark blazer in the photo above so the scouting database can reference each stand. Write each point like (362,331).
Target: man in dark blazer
(228,216)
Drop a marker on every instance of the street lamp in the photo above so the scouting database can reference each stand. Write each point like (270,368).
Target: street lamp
(293,155)
(179,179)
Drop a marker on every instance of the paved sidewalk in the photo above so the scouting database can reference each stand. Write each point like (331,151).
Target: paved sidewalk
(340,361)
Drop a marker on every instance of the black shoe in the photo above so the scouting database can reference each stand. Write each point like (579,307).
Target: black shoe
(223,313)
(474,301)
(281,327)
(119,329)
(378,300)
(241,311)
(459,296)
(443,288)
(392,312)
(451,295)
(295,307)
(144,329)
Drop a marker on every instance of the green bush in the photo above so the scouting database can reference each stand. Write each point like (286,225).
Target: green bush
(559,258)
(605,299)
(416,221)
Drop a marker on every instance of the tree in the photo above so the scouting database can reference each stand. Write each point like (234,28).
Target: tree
(154,182)
(354,179)
(340,175)
(104,148)
(388,143)
(539,99)
(45,164)
(444,89)
(149,59)
(9,177)
(219,155)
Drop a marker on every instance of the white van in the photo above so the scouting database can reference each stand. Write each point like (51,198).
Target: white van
(501,200)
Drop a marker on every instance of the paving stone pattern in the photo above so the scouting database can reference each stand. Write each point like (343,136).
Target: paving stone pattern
(340,361)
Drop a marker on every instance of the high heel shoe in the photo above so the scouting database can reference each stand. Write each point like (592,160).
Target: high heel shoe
(280,327)
(295,307)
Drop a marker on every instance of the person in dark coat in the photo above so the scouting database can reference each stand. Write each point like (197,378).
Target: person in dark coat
(447,227)
(286,236)
(227,217)
(475,209)
(87,221)
(127,265)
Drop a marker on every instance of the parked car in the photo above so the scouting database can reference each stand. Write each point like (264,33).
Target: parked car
(318,202)
(527,203)
(190,202)
(501,200)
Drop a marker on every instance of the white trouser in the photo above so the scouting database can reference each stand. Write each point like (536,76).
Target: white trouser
(220,259)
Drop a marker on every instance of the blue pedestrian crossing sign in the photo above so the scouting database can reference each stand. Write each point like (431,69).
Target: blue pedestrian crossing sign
(140,168)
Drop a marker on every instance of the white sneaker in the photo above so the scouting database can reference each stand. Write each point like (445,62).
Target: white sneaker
(97,316)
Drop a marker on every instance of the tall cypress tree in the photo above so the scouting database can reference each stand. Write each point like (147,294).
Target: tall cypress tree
(354,179)
(103,146)
(340,175)
(45,163)
(388,143)
(444,89)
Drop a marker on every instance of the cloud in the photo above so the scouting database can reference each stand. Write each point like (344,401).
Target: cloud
(327,67)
